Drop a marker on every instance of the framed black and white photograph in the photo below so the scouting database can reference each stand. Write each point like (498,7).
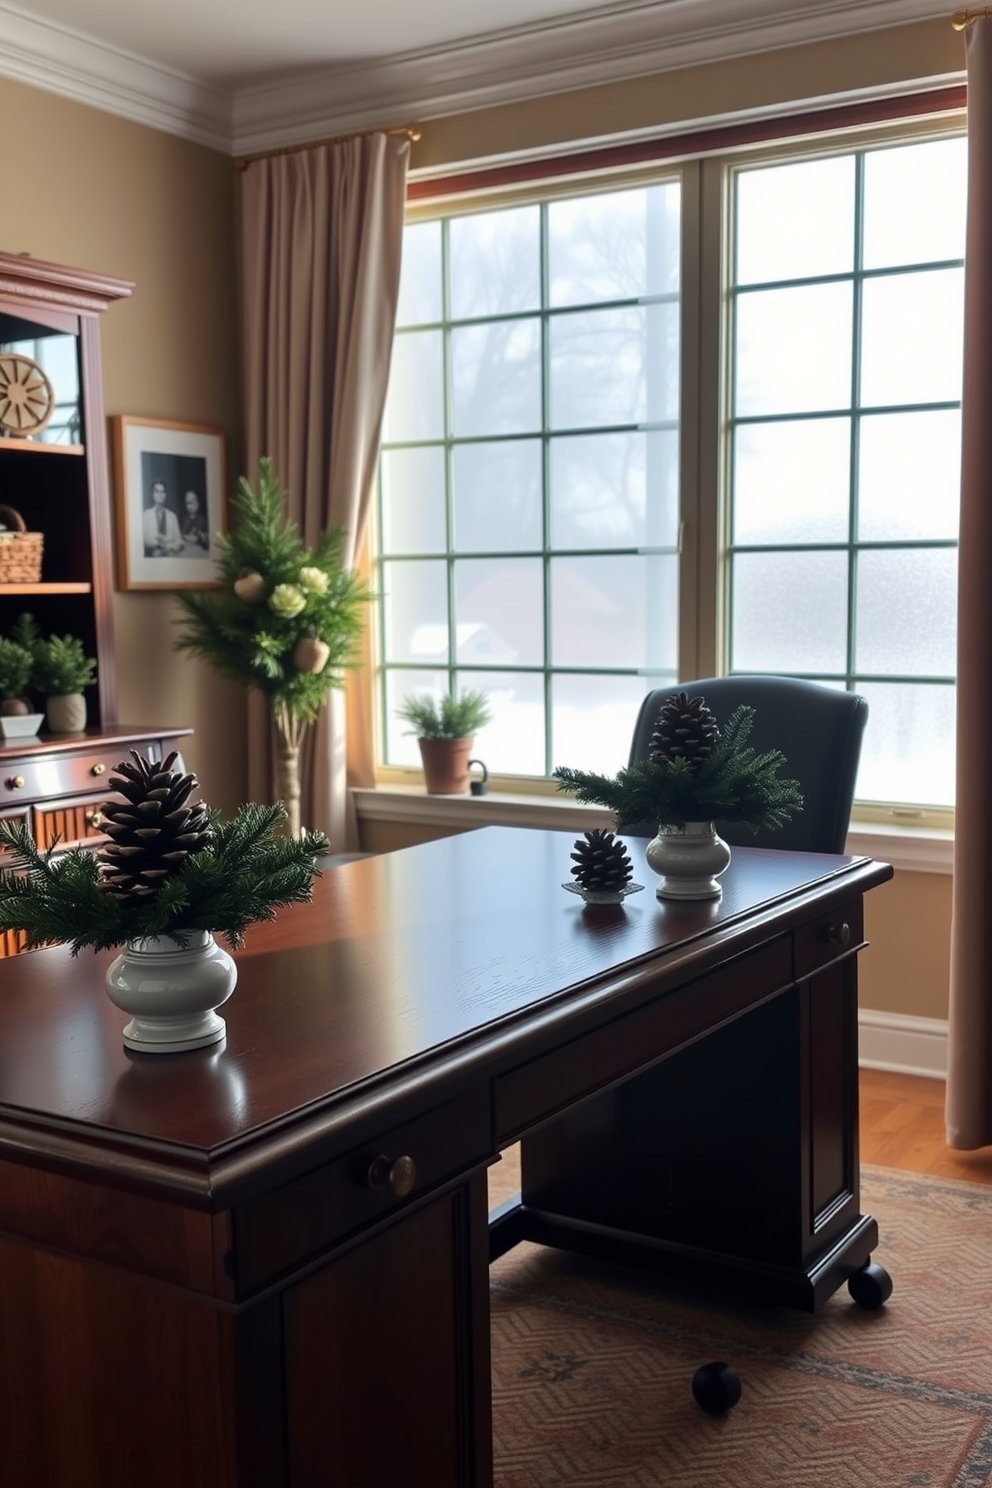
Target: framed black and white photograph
(170,482)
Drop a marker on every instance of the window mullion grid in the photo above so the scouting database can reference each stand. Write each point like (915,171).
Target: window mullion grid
(857,327)
(547,688)
(447,403)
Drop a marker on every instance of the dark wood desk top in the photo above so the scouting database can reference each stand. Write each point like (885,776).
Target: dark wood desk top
(428,963)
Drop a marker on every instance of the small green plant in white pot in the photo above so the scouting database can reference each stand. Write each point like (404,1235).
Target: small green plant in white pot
(16,667)
(63,671)
(445,729)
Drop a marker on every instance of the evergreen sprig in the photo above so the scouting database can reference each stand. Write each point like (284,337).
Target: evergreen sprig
(733,784)
(242,877)
(254,641)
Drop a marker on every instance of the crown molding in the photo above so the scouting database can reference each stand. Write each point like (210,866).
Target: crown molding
(603,45)
(73,66)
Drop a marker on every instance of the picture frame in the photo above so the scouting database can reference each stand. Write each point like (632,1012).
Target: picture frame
(170,483)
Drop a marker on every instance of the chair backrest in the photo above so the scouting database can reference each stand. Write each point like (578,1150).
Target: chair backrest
(818,729)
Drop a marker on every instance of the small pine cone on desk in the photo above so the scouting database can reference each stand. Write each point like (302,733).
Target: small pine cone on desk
(602,863)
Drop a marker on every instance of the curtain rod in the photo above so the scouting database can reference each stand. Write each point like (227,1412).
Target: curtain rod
(411,131)
(962,19)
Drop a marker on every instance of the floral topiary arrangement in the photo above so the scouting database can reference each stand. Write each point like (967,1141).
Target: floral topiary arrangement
(286,619)
(170,868)
(695,771)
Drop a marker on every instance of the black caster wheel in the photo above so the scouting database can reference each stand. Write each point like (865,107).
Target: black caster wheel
(716,1387)
(871,1287)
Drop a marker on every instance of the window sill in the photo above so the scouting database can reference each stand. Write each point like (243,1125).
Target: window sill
(909,849)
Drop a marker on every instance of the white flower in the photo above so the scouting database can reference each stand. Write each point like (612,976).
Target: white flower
(314,579)
(286,600)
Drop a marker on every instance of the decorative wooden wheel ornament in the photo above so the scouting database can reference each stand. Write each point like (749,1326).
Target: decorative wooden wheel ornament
(27,400)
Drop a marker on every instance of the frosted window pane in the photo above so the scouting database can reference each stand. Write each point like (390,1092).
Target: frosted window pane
(401,745)
(792,482)
(592,720)
(619,246)
(795,221)
(497,494)
(614,367)
(495,265)
(907,610)
(615,612)
(415,402)
(910,476)
(793,350)
(915,203)
(499,612)
(420,274)
(415,612)
(908,748)
(789,612)
(600,485)
(513,742)
(912,338)
(496,378)
(413,500)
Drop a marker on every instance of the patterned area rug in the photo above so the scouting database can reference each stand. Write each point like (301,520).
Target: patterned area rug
(592,1365)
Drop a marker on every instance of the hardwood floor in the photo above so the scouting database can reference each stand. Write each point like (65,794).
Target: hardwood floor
(902,1126)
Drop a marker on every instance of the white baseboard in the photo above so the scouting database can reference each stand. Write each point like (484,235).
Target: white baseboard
(905,1045)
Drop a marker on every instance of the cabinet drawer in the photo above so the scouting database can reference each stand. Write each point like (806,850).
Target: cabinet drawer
(829,937)
(42,776)
(303,1218)
(68,822)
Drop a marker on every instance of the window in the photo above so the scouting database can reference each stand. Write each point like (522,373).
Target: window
(529,473)
(845,429)
(529,507)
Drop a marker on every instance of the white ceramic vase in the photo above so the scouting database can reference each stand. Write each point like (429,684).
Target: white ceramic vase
(172,991)
(65,712)
(689,859)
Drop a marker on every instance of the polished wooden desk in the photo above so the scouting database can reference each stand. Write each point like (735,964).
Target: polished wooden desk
(210,1273)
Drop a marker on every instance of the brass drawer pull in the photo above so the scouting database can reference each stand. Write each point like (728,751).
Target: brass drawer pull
(398,1177)
(94,819)
(15,782)
(840,934)
(97,769)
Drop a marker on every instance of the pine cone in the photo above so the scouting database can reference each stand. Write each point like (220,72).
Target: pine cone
(684,729)
(602,863)
(153,830)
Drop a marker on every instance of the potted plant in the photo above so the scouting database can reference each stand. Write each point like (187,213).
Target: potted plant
(286,619)
(171,877)
(63,671)
(445,731)
(695,774)
(16,665)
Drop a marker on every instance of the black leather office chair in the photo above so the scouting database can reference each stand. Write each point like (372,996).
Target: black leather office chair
(819,730)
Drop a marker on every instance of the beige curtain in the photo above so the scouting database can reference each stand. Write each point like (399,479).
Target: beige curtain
(969,1069)
(322,232)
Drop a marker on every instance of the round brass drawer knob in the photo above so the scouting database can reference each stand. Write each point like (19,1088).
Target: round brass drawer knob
(94,819)
(398,1176)
(97,769)
(16,782)
(840,934)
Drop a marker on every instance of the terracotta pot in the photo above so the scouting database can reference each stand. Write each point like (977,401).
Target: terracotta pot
(445,764)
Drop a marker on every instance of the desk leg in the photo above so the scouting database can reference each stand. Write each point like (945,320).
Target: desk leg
(732,1163)
(387,1355)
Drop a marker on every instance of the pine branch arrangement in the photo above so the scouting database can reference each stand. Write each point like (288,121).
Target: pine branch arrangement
(214,875)
(286,618)
(719,777)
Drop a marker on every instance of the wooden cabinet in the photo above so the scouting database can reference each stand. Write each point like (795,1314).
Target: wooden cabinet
(56,480)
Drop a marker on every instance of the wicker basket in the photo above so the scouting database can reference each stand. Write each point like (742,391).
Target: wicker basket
(20,550)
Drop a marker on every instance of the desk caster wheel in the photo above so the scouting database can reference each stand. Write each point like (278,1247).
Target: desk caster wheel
(871,1286)
(716,1387)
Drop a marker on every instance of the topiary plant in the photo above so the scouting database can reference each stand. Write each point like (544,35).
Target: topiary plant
(61,666)
(448,718)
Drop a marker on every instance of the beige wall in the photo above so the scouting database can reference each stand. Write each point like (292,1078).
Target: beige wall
(99,193)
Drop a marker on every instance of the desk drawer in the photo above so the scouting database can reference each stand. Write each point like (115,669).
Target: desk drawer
(540,1089)
(829,937)
(298,1221)
(39,777)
